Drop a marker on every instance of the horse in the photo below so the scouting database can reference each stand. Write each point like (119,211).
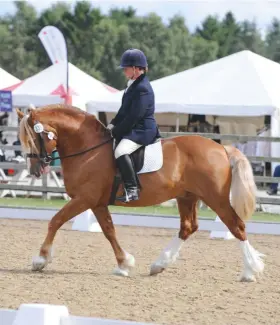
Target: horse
(194,168)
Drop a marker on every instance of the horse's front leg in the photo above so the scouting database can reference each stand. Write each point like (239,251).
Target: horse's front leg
(71,209)
(125,260)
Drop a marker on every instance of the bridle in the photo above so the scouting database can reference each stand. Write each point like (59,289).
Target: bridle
(44,157)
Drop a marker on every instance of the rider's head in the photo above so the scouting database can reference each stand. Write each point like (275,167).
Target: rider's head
(133,63)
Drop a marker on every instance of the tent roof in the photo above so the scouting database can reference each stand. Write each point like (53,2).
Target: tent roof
(241,84)
(52,81)
(6,79)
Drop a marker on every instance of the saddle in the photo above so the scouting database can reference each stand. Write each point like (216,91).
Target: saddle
(145,159)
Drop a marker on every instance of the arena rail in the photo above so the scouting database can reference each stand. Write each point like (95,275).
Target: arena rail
(18,182)
(43,314)
(217,136)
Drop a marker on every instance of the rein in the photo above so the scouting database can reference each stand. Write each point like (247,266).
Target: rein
(46,158)
(81,152)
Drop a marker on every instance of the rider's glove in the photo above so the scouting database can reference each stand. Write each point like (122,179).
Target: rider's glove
(110,126)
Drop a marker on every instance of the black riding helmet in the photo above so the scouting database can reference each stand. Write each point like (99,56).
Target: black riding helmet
(133,58)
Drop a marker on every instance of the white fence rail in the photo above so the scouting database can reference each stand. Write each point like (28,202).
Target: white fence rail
(41,314)
(52,185)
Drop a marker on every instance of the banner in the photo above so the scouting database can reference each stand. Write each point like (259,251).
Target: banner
(6,101)
(56,47)
(54,43)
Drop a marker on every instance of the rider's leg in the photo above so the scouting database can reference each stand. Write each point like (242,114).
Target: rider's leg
(125,165)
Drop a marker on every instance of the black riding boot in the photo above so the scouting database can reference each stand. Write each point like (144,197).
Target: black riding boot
(125,166)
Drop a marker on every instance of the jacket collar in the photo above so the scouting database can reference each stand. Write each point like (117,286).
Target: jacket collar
(136,82)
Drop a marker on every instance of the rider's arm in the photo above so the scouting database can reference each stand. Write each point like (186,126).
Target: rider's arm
(115,120)
(138,108)
(118,116)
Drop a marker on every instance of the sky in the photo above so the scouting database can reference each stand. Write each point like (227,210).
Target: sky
(194,11)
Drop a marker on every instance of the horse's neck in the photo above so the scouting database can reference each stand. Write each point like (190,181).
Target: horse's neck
(80,135)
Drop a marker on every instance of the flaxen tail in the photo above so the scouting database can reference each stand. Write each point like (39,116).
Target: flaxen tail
(243,187)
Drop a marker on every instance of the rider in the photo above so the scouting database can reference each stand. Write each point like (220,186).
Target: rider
(134,125)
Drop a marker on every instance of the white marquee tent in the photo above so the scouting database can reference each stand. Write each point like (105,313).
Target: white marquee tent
(240,88)
(242,84)
(6,79)
(49,86)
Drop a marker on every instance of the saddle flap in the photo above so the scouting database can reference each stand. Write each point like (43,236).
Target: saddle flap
(153,158)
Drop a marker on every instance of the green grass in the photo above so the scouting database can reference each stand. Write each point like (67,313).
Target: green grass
(153,210)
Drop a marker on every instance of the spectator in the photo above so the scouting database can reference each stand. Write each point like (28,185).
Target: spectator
(18,154)
(274,186)
(17,143)
(2,153)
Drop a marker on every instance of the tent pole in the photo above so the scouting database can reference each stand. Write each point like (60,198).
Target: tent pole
(177,123)
(274,132)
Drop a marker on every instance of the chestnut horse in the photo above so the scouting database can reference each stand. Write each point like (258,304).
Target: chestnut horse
(194,168)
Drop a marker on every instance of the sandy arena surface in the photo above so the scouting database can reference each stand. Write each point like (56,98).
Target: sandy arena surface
(201,288)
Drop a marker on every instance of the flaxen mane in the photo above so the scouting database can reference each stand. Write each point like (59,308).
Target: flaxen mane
(26,135)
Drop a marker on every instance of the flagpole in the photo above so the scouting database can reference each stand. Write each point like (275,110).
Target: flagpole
(67,74)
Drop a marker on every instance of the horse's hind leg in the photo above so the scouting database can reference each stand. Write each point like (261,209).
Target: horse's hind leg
(125,260)
(71,209)
(188,225)
(253,263)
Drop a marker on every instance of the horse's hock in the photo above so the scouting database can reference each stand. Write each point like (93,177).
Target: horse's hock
(201,288)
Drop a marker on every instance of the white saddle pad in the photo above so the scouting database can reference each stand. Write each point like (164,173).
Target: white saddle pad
(153,158)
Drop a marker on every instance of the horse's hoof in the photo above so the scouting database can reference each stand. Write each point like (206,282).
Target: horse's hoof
(38,263)
(129,262)
(246,278)
(120,272)
(156,269)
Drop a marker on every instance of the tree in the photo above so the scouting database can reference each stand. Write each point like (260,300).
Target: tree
(122,15)
(17,48)
(204,51)
(273,41)
(210,30)
(180,45)
(249,38)
(225,33)
(96,41)
(228,37)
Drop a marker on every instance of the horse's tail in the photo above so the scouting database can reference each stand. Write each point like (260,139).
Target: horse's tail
(243,187)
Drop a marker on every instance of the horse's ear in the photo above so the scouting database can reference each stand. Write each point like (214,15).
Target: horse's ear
(19,113)
(32,113)
(31,108)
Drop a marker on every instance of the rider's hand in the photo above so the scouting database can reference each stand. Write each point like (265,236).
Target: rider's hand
(110,127)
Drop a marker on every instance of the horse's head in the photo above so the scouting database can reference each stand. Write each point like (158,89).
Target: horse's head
(38,141)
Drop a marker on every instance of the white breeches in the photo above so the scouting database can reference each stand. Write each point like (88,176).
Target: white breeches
(126,147)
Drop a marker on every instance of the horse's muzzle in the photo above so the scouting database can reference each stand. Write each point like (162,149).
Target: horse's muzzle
(39,168)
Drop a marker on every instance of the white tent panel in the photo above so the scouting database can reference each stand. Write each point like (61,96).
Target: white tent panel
(52,82)
(242,84)
(6,79)
(36,100)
